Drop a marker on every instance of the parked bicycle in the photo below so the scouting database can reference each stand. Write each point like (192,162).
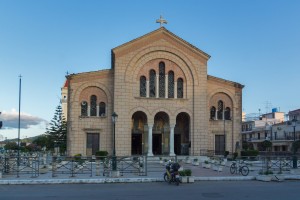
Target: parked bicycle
(239,168)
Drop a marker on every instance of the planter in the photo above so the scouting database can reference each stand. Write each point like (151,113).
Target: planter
(217,168)
(264,178)
(205,165)
(183,179)
(188,161)
(196,163)
(191,179)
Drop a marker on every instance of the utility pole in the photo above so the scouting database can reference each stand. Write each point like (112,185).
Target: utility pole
(1,122)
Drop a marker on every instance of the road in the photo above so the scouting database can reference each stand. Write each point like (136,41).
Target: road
(225,190)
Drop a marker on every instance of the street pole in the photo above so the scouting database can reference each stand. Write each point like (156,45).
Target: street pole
(19,125)
(114,164)
(0,122)
(295,162)
(114,160)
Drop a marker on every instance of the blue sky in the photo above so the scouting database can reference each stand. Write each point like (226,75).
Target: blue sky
(255,43)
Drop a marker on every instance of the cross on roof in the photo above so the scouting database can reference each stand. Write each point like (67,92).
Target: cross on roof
(162,21)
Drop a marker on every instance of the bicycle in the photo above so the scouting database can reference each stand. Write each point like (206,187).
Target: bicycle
(235,168)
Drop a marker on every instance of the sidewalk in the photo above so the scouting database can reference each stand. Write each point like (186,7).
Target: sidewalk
(199,173)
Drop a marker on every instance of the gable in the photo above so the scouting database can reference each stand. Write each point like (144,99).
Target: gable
(157,35)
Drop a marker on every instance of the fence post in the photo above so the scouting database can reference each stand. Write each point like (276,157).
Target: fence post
(53,166)
(97,167)
(72,167)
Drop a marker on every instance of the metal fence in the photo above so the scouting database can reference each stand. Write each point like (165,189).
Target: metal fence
(126,165)
(14,165)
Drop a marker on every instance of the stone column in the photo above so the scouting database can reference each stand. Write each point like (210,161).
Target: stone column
(157,86)
(150,153)
(175,89)
(147,89)
(172,140)
(89,111)
(98,109)
(166,86)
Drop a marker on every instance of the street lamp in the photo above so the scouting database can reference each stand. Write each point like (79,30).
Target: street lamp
(114,118)
(0,122)
(294,123)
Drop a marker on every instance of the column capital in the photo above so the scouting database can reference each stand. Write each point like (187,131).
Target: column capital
(172,125)
(150,125)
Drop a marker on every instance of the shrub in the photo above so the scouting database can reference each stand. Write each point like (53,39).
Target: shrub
(265,145)
(249,153)
(182,173)
(188,172)
(101,154)
(77,157)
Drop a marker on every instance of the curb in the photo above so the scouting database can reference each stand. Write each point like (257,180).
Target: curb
(115,180)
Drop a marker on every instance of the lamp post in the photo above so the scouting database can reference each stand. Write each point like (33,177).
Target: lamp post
(0,122)
(294,123)
(114,118)
(19,125)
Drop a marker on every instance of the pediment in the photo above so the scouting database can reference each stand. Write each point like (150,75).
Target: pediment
(161,34)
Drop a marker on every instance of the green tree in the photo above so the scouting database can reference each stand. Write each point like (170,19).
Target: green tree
(11,146)
(42,141)
(57,131)
(265,145)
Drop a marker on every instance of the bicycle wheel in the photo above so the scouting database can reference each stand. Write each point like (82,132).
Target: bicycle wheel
(166,177)
(233,168)
(245,170)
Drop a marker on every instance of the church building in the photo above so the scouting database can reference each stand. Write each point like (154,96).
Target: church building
(165,101)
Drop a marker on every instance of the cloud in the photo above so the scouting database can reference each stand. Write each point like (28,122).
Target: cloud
(11,120)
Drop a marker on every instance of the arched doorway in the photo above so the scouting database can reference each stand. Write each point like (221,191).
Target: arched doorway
(138,132)
(182,134)
(161,134)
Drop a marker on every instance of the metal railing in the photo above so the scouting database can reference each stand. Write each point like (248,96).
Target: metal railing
(72,165)
(14,165)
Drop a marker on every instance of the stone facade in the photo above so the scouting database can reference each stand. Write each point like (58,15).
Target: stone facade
(159,87)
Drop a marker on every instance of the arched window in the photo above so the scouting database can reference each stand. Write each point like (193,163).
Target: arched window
(171,84)
(180,88)
(220,110)
(93,105)
(213,113)
(227,113)
(102,109)
(143,86)
(152,83)
(162,80)
(84,108)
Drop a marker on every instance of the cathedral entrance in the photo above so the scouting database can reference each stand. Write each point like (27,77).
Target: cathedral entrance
(136,144)
(182,134)
(161,134)
(138,133)
(177,144)
(157,144)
